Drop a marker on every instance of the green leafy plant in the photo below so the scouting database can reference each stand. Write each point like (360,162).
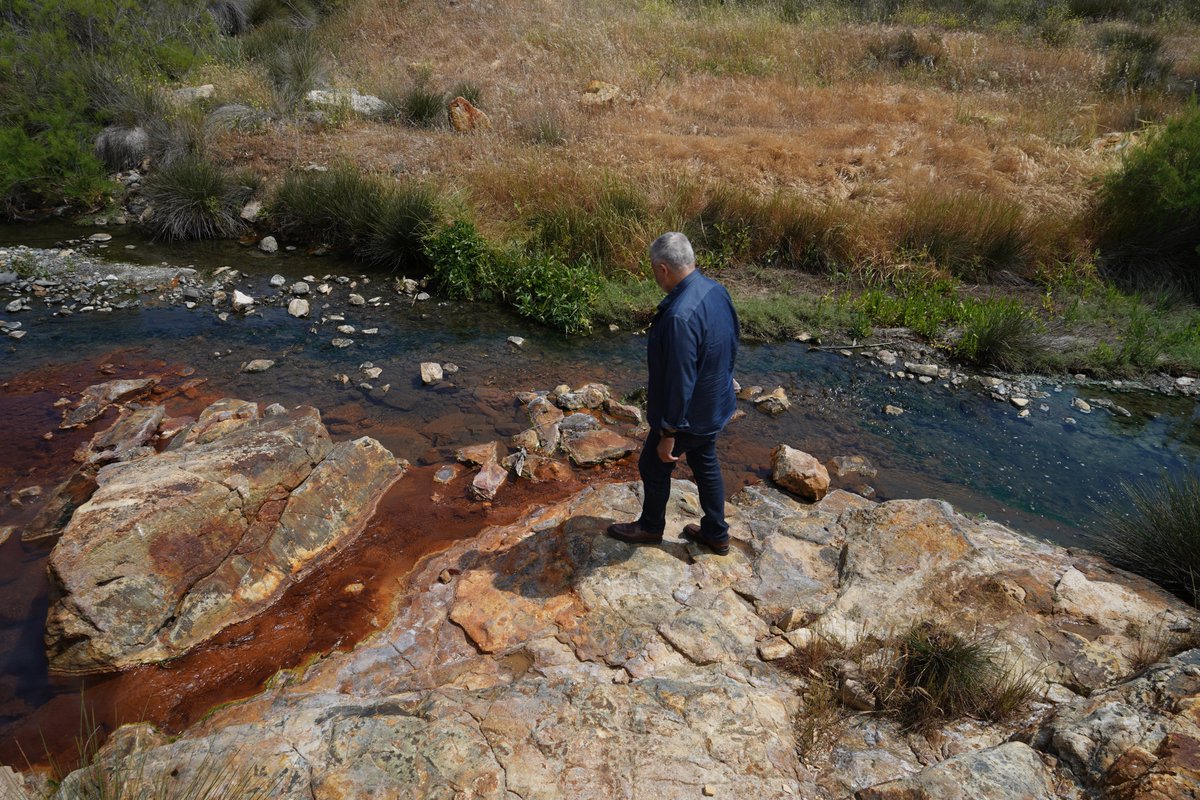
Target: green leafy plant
(463,263)
(1147,216)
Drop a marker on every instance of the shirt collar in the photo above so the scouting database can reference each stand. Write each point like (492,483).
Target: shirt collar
(678,290)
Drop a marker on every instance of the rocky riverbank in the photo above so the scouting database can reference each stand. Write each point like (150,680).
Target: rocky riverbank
(542,659)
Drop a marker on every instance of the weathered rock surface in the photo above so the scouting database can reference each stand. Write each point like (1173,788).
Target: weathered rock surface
(96,399)
(173,547)
(543,659)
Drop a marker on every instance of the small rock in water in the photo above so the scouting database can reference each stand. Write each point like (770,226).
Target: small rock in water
(423,296)
(241,301)
(774,403)
(268,244)
(369,331)
(449,368)
(17,334)
(357,300)
(446,473)
(893,411)
(1019,402)
(342,342)
(1081,405)
(353,588)
(516,341)
(278,280)
(100,237)
(15,306)
(372,372)
(431,372)
(298,307)
(258,365)
(324,288)
(346,329)
(300,287)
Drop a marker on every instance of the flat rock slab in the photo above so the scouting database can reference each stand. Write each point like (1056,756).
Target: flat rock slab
(543,659)
(171,548)
(99,397)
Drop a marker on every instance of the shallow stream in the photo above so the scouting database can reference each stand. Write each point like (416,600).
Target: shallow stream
(1038,474)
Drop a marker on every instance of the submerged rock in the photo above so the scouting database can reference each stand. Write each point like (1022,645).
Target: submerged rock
(173,547)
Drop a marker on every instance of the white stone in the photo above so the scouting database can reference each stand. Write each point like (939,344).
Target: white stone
(268,244)
(516,340)
(365,104)
(346,329)
(893,411)
(251,210)
(258,365)
(342,342)
(241,301)
(431,372)
(928,370)
(357,300)
(277,281)
(1019,402)
(100,237)
(1081,405)
(298,307)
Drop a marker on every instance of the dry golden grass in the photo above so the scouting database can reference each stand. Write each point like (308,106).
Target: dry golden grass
(721,97)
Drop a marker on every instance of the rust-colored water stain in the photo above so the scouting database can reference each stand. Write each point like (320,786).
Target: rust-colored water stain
(315,616)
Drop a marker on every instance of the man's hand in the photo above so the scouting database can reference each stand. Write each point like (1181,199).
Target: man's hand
(665,445)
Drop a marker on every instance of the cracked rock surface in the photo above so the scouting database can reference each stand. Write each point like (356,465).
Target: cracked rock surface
(172,547)
(551,661)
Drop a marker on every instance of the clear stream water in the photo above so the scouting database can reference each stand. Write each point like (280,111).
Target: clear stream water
(1039,475)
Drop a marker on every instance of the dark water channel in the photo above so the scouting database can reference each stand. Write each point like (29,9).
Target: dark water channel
(1038,474)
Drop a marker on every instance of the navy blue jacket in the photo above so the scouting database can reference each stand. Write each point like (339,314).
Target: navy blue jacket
(692,347)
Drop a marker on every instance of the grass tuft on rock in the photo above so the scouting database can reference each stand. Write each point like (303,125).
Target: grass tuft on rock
(1160,539)
(195,199)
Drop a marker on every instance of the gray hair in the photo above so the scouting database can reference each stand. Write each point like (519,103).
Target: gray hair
(674,250)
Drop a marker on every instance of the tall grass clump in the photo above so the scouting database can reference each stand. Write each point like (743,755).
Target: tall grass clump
(971,235)
(1160,539)
(376,220)
(195,199)
(924,677)
(736,227)
(419,105)
(1147,216)
(1001,334)
(608,228)
(122,771)
(292,58)
(407,214)
(1135,59)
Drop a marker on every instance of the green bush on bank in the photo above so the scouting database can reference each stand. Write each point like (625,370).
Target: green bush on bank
(57,59)
(1148,213)
(539,285)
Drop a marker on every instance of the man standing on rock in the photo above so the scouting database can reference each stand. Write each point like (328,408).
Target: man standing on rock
(690,351)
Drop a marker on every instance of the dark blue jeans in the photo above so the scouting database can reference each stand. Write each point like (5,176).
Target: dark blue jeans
(701,454)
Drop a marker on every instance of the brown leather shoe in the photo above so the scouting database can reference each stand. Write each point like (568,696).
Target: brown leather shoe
(692,534)
(633,533)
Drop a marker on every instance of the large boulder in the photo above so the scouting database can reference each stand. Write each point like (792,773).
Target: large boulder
(173,547)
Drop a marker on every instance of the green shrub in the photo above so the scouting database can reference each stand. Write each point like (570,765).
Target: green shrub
(1135,59)
(1001,334)
(463,263)
(195,199)
(547,289)
(1147,216)
(292,57)
(969,234)
(1160,539)
(53,58)
(941,675)
(927,307)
